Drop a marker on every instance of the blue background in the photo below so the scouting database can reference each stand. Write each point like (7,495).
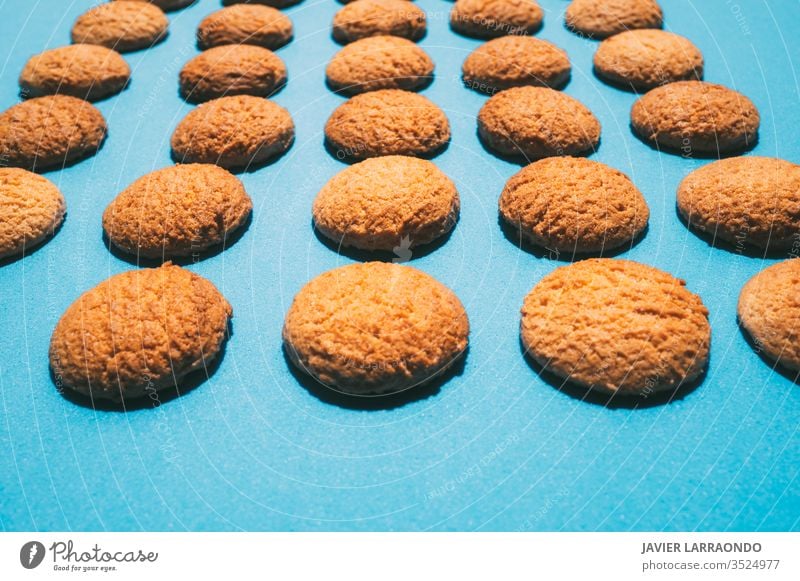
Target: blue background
(495,448)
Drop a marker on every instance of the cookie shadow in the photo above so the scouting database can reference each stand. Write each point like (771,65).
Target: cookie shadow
(196,99)
(249,167)
(24,95)
(693,154)
(29,251)
(344,156)
(346,41)
(523,160)
(774,365)
(425,82)
(629,88)
(391,401)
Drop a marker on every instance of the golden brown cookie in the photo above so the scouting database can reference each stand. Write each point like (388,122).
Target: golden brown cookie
(31,210)
(495,18)
(603,18)
(753,201)
(139,332)
(124,26)
(86,71)
(245,24)
(273,3)
(616,326)
(177,211)
(393,203)
(234,69)
(233,132)
(537,122)
(379,62)
(515,61)
(168,5)
(574,205)
(644,59)
(375,328)
(694,116)
(47,131)
(364,18)
(769,310)
(387,122)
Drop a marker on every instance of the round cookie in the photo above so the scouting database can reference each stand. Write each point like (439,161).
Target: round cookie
(124,26)
(245,24)
(694,116)
(47,131)
(235,69)
(575,205)
(515,61)
(364,18)
(537,122)
(379,62)
(387,122)
(744,200)
(233,132)
(769,310)
(495,18)
(389,203)
(139,332)
(375,328)
(616,326)
(177,211)
(86,71)
(31,210)
(168,5)
(272,3)
(604,18)
(644,59)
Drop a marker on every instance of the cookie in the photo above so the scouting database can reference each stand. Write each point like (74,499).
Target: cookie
(233,132)
(603,18)
(616,326)
(694,116)
(495,18)
(124,26)
(235,69)
(375,328)
(31,210)
(515,61)
(387,122)
(379,62)
(86,71)
(245,24)
(139,332)
(364,18)
(537,122)
(177,211)
(168,5)
(769,310)
(47,131)
(272,3)
(393,203)
(753,201)
(574,205)
(644,59)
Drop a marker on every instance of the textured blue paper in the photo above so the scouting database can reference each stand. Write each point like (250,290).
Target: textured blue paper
(497,447)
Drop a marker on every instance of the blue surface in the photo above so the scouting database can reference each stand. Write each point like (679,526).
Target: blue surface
(497,448)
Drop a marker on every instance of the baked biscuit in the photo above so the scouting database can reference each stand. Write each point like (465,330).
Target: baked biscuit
(139,332)
(86,71)
(769,310)
(752,201)
(515,61)
(575,205)
(375,328)
(235,69)
(387,122)
(537,122)
(177,211)
(603,18)
(169,5)
(233,132)
(31,210)
(616,326)
(47,131)
(694,116)
(245,24)
(364,18)
(379,62)
(124,26)
(495,18)
(387,203)
(273,3)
